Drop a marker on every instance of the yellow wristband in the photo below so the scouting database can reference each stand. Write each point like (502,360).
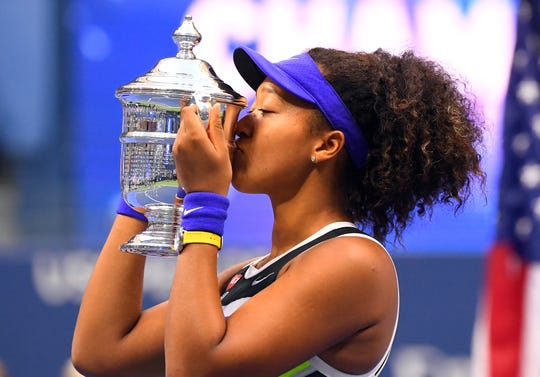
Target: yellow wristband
(195,236)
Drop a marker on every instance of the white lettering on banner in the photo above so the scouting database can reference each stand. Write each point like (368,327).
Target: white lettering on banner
(158,276)
(475,44)
(472,43)
(279,28)
(61,277)
(220,24)
(289,27)
(375,26)
(427,361)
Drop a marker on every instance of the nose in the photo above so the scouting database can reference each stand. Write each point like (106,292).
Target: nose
(244,126)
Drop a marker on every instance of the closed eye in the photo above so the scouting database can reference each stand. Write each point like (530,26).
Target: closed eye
(260,110)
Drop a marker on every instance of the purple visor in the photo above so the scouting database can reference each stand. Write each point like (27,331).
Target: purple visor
(301,77)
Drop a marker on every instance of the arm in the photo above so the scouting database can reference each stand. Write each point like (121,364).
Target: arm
(112,336)
(281,326)
(288,322)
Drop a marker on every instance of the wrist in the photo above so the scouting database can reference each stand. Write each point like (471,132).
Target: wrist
(197,236)
(203,218)
(180,193)
(125,209)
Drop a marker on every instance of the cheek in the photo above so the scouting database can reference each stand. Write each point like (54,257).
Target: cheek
(270,160)
(251,168)
(274,172)
(273,156)
(260,170)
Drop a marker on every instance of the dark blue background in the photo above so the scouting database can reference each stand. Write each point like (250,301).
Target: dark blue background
(64,185)
(438,303)
(138,36)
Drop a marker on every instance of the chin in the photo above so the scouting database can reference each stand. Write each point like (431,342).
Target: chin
(244,185)
(241,188)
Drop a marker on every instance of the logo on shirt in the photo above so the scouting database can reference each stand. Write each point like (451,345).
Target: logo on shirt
(261,279)
(233,281)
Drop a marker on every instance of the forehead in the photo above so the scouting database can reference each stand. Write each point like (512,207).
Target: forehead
(271,89)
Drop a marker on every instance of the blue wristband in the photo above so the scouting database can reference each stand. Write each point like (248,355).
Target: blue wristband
(124,209)
(205,211)
(180,194)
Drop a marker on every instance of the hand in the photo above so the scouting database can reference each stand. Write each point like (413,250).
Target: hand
(201,155)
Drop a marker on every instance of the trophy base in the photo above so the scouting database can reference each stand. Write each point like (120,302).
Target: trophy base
(162,238)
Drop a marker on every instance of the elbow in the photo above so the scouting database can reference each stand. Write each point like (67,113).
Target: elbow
(82,358)
(89,369)
(85,365)
(92,360)
(90,363)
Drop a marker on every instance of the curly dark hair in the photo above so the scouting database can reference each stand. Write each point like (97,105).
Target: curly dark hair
(424,135)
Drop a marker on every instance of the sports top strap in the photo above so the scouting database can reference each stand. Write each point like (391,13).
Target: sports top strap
(248,287)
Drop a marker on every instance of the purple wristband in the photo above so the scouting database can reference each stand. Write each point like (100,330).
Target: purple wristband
(205,211)
(124,209)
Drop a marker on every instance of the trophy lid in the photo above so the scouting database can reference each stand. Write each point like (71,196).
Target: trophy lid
(179,77)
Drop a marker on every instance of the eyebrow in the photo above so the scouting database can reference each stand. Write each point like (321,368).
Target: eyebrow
(271,89)
(265,87)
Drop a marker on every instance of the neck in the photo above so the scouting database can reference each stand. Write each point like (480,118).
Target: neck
(312,207)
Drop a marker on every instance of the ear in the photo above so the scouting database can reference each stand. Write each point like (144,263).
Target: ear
(329,144)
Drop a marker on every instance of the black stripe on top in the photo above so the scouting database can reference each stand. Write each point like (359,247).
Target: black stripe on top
(250,287)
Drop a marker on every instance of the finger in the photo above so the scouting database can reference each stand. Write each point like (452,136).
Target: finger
(189,116)
(231,118)
(215,128)
(190,126)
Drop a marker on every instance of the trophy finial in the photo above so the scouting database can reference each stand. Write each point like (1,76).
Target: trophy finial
(186,37)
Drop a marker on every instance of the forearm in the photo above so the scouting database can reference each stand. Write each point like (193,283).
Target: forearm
(195,323)
(112,303)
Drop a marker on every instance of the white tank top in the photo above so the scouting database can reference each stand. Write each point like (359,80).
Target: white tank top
(251,280)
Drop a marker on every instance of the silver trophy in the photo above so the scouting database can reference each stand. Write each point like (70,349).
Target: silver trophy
(151,117)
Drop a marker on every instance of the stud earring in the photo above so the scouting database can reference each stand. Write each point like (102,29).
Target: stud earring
(314,159)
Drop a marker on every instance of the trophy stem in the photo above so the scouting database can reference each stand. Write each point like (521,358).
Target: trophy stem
(162,237)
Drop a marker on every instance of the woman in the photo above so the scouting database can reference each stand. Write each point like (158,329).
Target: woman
(334,139)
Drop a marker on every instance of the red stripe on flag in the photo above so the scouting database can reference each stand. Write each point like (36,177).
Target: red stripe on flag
(505,296)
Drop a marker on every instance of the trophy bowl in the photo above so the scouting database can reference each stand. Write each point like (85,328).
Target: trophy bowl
(151,107)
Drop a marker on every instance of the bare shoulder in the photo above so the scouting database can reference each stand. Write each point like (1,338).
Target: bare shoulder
(360,256)
(338,300)
(357,271)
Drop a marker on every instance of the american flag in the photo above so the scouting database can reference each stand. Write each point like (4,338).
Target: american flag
(506,342)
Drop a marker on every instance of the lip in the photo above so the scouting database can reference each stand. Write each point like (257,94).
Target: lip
(236,154)
(236,145)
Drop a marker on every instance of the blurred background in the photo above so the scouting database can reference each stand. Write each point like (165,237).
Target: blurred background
(60,64)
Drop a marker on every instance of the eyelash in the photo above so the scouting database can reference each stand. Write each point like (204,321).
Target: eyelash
(263,111)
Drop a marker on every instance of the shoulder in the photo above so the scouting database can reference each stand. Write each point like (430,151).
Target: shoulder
(354,253)
(356,271)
